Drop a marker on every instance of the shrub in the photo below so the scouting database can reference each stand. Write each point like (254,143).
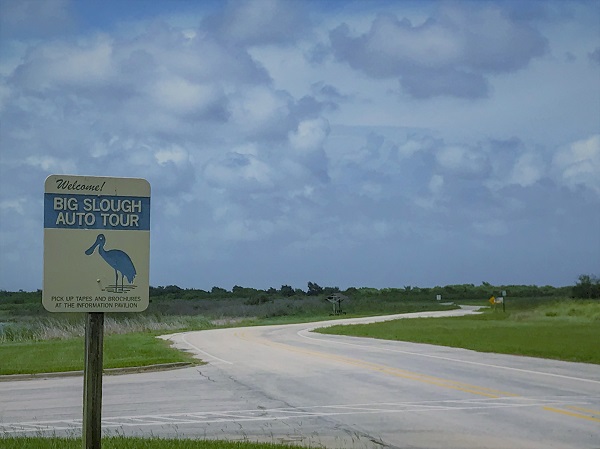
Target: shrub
(587,287)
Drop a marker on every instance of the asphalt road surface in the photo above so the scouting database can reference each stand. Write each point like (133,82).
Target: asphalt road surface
(287,384)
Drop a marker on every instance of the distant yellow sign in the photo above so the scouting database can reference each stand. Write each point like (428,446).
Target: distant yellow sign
(492,300)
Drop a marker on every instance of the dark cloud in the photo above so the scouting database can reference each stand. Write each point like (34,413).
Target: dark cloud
(34,19)
(327,91)
(496,42)
(259,22)
(451,53)
(327,96)
(308,107)
(425,83)
(595,55)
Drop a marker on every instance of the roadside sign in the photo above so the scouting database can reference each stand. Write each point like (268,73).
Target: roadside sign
(492,300)
(499,300)
(96,244)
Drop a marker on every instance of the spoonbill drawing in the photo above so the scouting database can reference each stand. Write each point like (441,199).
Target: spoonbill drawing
(117,259)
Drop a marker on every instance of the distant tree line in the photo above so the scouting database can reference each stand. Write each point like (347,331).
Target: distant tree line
(588,287)
(448,292)
(237,291)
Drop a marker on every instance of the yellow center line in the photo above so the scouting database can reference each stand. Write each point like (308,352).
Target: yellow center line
(584,410)
(573,414)
(397,372)
(425,378)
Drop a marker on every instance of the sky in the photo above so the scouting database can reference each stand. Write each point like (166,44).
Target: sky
(346,143)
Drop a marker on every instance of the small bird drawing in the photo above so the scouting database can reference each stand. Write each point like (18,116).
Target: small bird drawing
(117,259)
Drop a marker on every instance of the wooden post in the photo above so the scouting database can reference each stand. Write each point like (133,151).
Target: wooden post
(92,381)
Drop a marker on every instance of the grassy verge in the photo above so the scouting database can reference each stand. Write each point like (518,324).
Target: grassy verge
(131,443)
(54,344)
(408,307)
(566,330)
(136,349)
(65,326)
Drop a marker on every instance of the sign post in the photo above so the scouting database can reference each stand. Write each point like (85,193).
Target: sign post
(96,260)
(92,381)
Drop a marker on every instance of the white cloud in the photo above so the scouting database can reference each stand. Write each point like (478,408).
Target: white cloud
(528,169)
(256,140)
(58,64)
(310,135)
(579,163)
(258,108)
(15,205)
(462,160)
(174,154)
(436,184)
(52,164)
(411,147)
(181,96)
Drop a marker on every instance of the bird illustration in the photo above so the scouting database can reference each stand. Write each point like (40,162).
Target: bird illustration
(117,259)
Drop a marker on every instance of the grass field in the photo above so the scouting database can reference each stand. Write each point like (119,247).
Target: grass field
(120,350)
(54,344)
(131,443)
(566,330)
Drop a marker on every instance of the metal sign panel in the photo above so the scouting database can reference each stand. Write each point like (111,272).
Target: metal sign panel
(96,244)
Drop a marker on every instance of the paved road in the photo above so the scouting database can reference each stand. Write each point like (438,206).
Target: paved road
(285,383)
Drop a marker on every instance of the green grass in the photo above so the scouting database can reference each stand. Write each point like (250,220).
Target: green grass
(137,349)
(55,344)
(565,330)
(120,442)
(374,310)
(65,326)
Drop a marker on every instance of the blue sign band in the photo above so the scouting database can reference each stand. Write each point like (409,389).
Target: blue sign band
(123,213)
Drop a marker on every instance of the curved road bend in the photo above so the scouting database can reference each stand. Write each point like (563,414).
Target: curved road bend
(285,383)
